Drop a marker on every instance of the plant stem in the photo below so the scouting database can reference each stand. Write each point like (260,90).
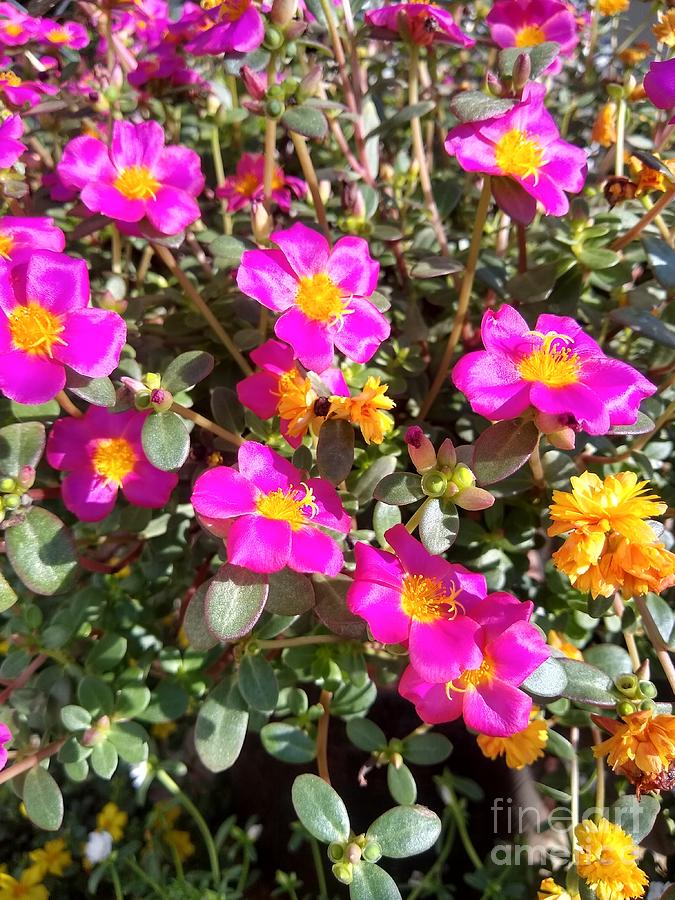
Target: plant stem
(67,405)
(243,875)
(648,217)
(24,677)
(274,644)
(170,262)
(318,865)
(322,737)
(138,871)
(116,250)
(664,231)
(165,779)
(574,784)
(414,520)
(117,884)
(599,771)
(458,815)
(657,642)
(219,169)
(270,149)
(420,155)
(29,761)
(463,299)
(203,422)
(620,137)
(309,172)
(144,265)
(629,638)
(537,468)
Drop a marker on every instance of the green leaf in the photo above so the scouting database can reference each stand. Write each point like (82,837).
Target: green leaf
(234,600)
(405,831)
(258,683)
(435,266)
(399,489)
(287,742)
(642,425)
(438,525)
(95,695)
(107,652)
(366,735)
(502,449)
(635,817)
(426,749)
(370,882)
(194,624)
(549,680)
(305,120)
(646,324)
(187,370)
(661,259)
(42,552)
(586,684)
(599,606)
(7,594)
(221,726)
(227,250)
(331,607)
(130,740)
(169,702)
(132,700)
(415,111)
(541,57)
(97,391)
(365,483)
(75,718)
(104,760)
(21,445)
(598,258)
(401,784)
(585,892)
(609,658)
(78,770)
(290,593)
(473,106)
(43,800)
(73,751)
(335,450)
(663,616)
(165,440)
(553,793)
(559,746)
(384,518)
(320,809)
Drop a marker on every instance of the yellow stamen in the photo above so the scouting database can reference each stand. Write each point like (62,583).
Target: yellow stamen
(58,36)
(13,28)
(546,365)
(247,184)
(320,299)
(470,679)
(6,245)
(519,155)
(35,330)
(114,459)
(530,36)
(137,183)
(10,79)
(287,506)
(426,599)
(228,10)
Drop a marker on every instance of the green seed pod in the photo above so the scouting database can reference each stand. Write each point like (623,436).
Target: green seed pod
(290,86)
(372,852)
(12,501)
(32,616)
(627,684)
(625,708)
(648,690)
(142,400)
(291,50)
(647,704)
(344,872)
(336,852)
(463,477)
(276,92)
(7,485)
(434,483)
(274,109)
(274,38)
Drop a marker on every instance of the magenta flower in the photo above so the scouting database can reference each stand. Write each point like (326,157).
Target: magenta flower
(46,325)
(276,511)
(420,599)
(16,28)
(487,695)
(102,453)
(320,293)
(659,84)
(526,23)
(165,70)
(228,26)
(11,147)
(67,34)
(17,93)
(246,186)
(522,149)
(555,368)
(5,738)
(136,178)
(19,237)
(280,388)
(422,23)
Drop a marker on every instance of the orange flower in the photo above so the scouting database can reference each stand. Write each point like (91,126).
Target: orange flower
(664,30)
(604,127)
(642,748)
(559,643)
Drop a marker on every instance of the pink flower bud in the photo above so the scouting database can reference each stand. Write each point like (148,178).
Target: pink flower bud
(420,448)
(563,439)
(474,498)
(256,84)
(447,456)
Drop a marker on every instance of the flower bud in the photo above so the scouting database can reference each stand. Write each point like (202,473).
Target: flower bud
(152,380)
(434,483)
(447,455)
(372,852)
(161,400)
(494,85)
(7,485)
(336,851)
(396,760)
(274,109)
(564,439)
(255,82)
(97,733)
(353,853)
(26,477)
(420,449)
(521,71)
(143,400)
(647,705)
(627,684)
(274,38)
(283,11)
(648,690)
(463,477)
(343,872)
(625,708)
(11,501)
(261,223)
(322,406)
(311,81)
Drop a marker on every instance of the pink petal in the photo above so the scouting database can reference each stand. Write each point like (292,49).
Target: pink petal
(273,355)
(256,392)
(266,469)
(492,384)
(432,703)
(266,276)
(106,199)
(440,651)
(314,551)
(55,281)
(363,330)
(311,340)
(222,493)
(87,496)
(181,168)
(380,606)
(259,544)
(330,513)
(85,160)
(93,341)
(136,145)
(576,400)
(414,556)
(67,444)
(30,379)
(149,487)
(172,210)
(517,652)
(378,566)
(305,249)
(498,611)
(351,267)
(496,708)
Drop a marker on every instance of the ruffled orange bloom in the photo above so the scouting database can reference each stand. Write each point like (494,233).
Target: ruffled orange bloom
(559,643)
(604,127)
(648,179)
(520,749)
(549,890)
(664,30)
(642,748)
(367,410)
(612,7)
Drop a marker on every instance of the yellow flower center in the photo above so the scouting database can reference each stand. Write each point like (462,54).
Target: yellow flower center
(137,183)
(6,245)
(228,10)
(519,155)
(10,79)
(320,299)
(113,459)
(247,184)
(548,365)
(470,679)
(58,35)
(425,599)
(530,36)
(34,329)
(288,506)
(13,28)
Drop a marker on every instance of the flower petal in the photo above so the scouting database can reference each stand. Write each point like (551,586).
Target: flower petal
(88,496)
(440,651)
(259,544)
(93,341)
(496,708)
(314,551)
(306,250)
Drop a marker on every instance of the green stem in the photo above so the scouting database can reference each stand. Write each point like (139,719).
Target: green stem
(537,468)
(219,168)
(458,816)
(318,865)
(309,172)
(243,875)
(177,864)
(116,249)
(133,865)
(574,785)
(463,299)
(117,884)
(274,644)
(165,779)
(620,137)
(414,520)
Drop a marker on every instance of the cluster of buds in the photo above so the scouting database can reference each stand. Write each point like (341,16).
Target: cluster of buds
(271,99)
(558,429)
(97,733)
(147,393)
(345,855)
(635,694)
(511,86)
(14,496)
(443,475)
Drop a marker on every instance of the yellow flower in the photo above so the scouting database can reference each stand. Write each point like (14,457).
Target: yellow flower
(296,402)
(366,410)
(162,730)
(559,643)
(612,7)
(520,749)
(648,179)
(27,886)
(549,890)
(606,861)
(53,857)
(181,843)
(113,820)
(664,30)
(644,741)
(604,127)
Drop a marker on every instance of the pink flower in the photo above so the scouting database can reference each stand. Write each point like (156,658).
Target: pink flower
(420,599)
(526,23)
(281,389)
(10,147)
(246,186)
(659,84)
(137,177)
(5,738)
(67,34)
(555,368)
(102,453)
(320,293)
(522,149)
(46,325)
(272,513)
(228,26)
(423,23)
(20,237)
(16,28)
(487,695)
(166,70)
(17,93)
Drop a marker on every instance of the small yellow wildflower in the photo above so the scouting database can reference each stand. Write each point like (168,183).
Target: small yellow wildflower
(162,730)
(113,820)
(181,843)
(612,7)
(559,643)
(604,127)
(28,886)
(367,410)
(520,749)
(53,857)
(664,30)
(549,890)
(606,860)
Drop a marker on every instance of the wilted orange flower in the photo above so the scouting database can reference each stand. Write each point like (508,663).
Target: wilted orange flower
(612,7)
(664,30)
(640,747)
(520,749)
(631,56)
(606,860)
(366,410)
(649,179)
(559,643)
(604,127)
